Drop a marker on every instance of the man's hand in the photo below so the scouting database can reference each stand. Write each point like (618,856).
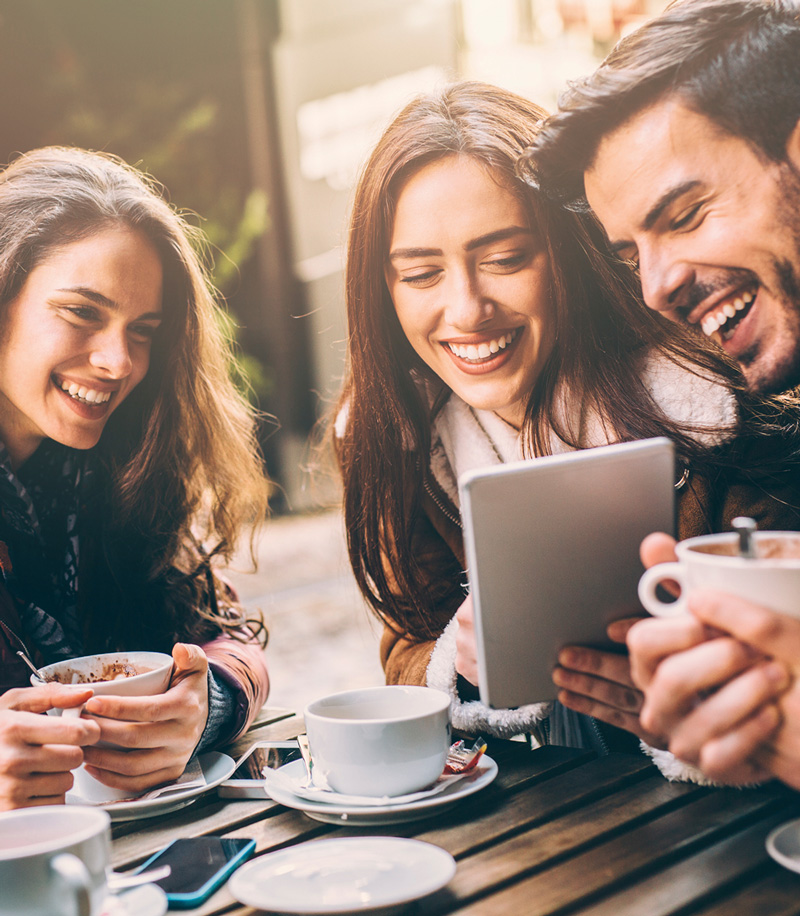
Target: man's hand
(160,732)
(599,684)
(37,752)
(712,680)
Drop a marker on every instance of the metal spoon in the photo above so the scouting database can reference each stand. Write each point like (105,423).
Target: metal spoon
(118,882)
(22,651)
(746,527)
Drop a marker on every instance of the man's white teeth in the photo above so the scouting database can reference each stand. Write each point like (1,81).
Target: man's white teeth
(715,320)
(80,393)
(481,351)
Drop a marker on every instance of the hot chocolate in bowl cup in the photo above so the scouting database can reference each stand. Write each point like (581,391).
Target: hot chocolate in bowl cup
(379,741)
(771,579)
(54,861)
(156,670)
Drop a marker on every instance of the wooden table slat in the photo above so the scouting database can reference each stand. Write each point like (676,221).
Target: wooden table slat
(727,865)
(630,856)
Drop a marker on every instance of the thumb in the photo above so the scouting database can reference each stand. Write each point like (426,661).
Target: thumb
(189,659)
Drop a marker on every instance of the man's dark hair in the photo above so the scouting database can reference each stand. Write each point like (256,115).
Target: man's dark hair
(735,61)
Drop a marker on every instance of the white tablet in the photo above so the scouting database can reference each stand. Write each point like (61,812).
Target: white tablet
(552,549)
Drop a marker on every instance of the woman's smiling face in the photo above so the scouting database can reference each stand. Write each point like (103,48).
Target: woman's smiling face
(470,282)
(76,340)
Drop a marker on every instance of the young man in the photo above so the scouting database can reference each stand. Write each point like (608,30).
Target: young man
(686,144)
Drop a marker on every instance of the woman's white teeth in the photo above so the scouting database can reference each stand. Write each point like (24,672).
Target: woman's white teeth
(715,320)
(81,393)
(483,350)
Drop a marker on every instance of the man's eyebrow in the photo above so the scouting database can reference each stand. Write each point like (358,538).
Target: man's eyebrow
(665,200)
(99,299)
(498,235)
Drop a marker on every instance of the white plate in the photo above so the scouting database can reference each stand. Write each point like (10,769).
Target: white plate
(349,875)
(216,768)
(147,900)
(331,813)
(783,844)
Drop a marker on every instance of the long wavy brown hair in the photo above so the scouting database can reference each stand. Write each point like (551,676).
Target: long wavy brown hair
(179,476)
(602,329)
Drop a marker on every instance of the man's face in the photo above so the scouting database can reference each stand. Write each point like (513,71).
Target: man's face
(714,229)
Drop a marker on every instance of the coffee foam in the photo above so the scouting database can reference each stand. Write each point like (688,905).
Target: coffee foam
(767,548)
(109,671)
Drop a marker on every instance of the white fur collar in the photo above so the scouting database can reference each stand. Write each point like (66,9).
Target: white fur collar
(465,439)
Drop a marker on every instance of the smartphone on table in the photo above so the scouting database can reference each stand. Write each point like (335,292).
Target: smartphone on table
(200,865)
(247,780)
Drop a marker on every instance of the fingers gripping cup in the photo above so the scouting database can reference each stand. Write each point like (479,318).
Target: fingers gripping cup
(120,674)
(381,741)
(53,861)
(770,578)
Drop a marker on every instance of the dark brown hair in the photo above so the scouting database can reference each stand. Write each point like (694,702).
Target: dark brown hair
(180,465)
(602,332)
(736,62)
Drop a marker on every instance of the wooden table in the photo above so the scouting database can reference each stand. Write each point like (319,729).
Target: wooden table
(559,831)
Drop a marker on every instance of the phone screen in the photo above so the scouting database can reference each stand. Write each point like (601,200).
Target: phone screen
(263,756)
(194,860)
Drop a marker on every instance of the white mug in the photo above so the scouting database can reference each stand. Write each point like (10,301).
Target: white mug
(54,861)
(83,672)
(771,579)
(380,741)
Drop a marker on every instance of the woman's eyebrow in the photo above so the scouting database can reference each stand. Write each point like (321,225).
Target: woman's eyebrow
(99,299)
(91,294)
(498,235)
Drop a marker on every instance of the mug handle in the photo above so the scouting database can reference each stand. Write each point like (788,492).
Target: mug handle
(651,579)
(75,876)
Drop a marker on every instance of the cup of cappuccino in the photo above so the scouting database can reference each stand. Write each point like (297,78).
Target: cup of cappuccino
(771,578)
(119,674)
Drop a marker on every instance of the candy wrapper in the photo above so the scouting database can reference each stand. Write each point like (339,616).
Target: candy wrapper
(462,759)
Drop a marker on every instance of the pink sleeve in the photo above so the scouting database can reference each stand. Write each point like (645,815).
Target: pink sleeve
(243,666)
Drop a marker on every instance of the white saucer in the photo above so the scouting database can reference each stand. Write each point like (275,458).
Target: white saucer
(343,814)
(216,768)
(348,875)
(146,900)
(783,844)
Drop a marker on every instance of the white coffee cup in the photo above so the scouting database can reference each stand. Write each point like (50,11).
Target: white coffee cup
(88,671)
(379,741)
(771,579)
(53,861)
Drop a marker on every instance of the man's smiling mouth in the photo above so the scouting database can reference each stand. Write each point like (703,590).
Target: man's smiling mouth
(724,318)
(474,353)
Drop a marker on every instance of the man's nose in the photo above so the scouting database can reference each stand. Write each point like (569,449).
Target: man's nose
(666,279)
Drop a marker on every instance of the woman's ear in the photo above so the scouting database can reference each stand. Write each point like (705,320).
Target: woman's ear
(793,147)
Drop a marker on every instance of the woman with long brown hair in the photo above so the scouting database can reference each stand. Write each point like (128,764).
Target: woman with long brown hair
(128,469)
(488,325)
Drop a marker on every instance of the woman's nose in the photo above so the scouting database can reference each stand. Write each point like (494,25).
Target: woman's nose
(468,305)
(112,354)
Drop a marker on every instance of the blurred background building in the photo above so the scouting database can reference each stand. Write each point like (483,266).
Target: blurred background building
(256,115)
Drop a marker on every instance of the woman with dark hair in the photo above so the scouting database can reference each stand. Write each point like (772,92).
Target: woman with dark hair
(128,460)
(488,325)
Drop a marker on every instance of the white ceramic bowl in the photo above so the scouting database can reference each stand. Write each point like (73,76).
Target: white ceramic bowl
(380,741)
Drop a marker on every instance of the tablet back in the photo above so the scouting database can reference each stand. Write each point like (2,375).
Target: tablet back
(552,549)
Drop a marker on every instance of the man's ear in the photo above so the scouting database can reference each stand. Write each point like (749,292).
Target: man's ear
(793,147)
